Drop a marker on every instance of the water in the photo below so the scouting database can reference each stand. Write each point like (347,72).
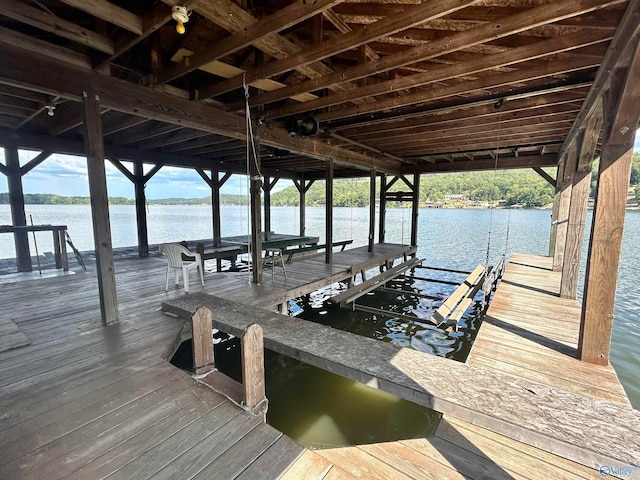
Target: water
(454,239)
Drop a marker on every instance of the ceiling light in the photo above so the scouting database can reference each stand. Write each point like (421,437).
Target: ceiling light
(181,16)
(50,110)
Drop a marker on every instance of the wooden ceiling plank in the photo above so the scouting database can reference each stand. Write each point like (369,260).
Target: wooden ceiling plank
(21,68)
(276,22)
(471,127)
(539,105)
(495,81)
(518,55)
(67,117)
(145,133)
(511,25)
(344,28)
(207,140)
(40,19)
(528,161)
(626,32)
(36,97)
(411,16)
(111,128)
(109,12)
(180,136)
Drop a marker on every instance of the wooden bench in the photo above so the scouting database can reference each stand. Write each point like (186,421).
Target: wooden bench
(311,248)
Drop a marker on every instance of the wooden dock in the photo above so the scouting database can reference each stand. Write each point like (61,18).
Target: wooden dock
(83,401)
(530,334)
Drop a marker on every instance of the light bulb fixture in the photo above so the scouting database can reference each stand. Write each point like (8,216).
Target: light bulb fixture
(181,16)
(50,110)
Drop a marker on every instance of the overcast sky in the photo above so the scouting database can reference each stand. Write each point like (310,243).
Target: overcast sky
(67,175)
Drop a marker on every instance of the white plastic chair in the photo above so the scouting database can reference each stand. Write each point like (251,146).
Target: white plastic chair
(175,262)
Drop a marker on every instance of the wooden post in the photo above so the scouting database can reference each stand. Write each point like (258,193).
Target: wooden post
(303,187)
(621,116)
(415,209)
(215,208)
(141,209)
(578,209)
(267,187)
(383,208)
(255,187)
(564,183)
(556,207)
(18,215)
(303,203)
(202,341)
(372,210)
(329,211)
(100,208)
(252,347)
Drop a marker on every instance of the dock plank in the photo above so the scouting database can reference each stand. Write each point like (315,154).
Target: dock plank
(541,415)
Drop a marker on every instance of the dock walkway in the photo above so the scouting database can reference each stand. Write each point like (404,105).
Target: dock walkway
(83,401)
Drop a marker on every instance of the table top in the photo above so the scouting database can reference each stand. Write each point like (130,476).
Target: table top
(31,228)
(275,240)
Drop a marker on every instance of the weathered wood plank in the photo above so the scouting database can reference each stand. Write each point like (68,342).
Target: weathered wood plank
(252,348)
(533,413)
(309,465)
(203,360)
(275,460)
(355,292)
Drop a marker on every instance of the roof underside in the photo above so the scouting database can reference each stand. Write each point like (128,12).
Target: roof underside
(401,86)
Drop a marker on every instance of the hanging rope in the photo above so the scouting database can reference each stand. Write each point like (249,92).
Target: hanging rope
(252,155)
(497,107)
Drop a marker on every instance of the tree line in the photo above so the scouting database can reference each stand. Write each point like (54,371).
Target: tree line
(524,187)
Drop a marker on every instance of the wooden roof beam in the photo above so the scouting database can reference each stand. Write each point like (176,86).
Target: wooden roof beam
(159,15)
(233,19)
(109,12)
(45,21)
(412,15)
(24,69)
(280,20)
(625,34)
(489,62)
(513,24)
(528,161)
(495,81)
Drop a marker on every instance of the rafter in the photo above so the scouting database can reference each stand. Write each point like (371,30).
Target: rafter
(387,26)
(20,68)
(626,32)
(109,12)
(280,20)
(542,15)
(37,18)
(490,62)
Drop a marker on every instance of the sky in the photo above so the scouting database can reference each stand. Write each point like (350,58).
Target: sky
(67,175)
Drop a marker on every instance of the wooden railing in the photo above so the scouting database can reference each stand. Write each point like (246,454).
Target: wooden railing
(252,354)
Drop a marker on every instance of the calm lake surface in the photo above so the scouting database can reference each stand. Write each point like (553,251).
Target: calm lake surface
(450,238)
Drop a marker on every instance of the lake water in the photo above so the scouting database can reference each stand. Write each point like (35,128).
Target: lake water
(455,239)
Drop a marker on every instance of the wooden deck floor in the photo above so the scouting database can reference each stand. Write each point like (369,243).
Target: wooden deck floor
(83,401)
(530,333)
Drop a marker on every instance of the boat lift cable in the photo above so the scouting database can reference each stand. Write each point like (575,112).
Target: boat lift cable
(252,156)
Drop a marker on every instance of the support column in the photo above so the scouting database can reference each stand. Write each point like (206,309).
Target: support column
(415,209)
(329,211)
(556,206)
(18,215)
(578,208)
(255,188)
(141,209)
(267,187)
(383,208)
(372,210)
(94,147)
(621,117)
(564,183)
(303,187)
